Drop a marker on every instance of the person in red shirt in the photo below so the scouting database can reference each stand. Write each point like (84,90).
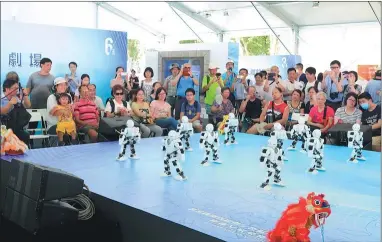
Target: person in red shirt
(321,116)
(275,111)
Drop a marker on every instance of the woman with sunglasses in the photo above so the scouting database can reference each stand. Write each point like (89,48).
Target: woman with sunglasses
(117,107)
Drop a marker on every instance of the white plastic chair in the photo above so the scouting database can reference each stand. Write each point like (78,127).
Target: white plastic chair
(37,115)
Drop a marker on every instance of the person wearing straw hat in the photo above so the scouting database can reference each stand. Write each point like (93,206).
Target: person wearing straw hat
(171,89)
(210,83)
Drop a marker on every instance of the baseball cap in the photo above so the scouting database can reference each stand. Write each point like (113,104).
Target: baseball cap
(59,80)
(174,65)
(230,61)
(212,66)
(378,74)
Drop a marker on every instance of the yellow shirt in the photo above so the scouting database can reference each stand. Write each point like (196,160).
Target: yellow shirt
(66,116)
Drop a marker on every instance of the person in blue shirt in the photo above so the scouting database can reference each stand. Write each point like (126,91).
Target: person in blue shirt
(333,85)
(229,77)
(192,109)
(374,88)
(184,81)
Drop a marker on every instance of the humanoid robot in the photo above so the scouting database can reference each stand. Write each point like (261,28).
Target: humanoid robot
(209,141)
(271,157)
(316,151)
(174,152)
(185,130)
(230,127)
(129,136)
(301,132)
(355,141)
(280,134)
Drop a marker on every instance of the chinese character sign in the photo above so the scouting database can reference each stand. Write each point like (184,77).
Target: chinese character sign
(16,60)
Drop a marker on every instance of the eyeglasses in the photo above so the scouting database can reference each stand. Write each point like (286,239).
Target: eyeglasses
(162,93)
(351,99)
(119,93)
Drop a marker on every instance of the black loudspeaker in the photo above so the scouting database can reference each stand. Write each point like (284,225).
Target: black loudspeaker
(41,182)
(107,126)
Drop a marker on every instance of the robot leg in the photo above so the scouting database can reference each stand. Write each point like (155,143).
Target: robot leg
(269,174)
(207,151)
(215,155)
(174,160)
(353,155)
(167,170)
(122,152)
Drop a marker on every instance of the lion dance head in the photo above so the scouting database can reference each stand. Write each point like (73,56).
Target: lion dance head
(319,207)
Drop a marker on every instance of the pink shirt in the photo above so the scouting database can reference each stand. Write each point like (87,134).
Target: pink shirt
(318,117)
(86,110)
(159,109)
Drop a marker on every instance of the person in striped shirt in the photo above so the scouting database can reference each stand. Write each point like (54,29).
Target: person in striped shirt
(86,115)
(348,114)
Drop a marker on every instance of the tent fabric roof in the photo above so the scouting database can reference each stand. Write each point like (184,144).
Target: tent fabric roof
(242,16)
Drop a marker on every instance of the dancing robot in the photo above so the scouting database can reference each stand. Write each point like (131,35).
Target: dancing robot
(316,151)
(355,141)
(185,130)
(129,136)
(230,127)
(174,152)
(209,141)
(301,132)
(280,134)
(271,156)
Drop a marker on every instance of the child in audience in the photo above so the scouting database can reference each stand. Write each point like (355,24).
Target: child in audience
(65,124)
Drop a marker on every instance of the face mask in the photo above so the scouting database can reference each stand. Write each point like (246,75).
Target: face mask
(365,106)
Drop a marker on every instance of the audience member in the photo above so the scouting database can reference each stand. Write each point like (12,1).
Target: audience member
(119,78)
(269,85)
(239,87)
(85,80)
(371,115)
(321,115)
(220,110)
(142,115)
(291,84)
(86,115)
(161,110)
(374,88)
(229,76)
(191,108)
(210,83)
(275,111)
(117,107)
(170,86)
(152,96)
(310,74)
(259,86)
(73,79)
(352,87)
(134,80)
(148,82)
(251,106)
(312,92)
(96,99)
(301,76)
(349,114)
(295,105)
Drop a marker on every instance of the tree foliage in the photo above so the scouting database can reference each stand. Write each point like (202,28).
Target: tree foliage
(255,45)
(134,51)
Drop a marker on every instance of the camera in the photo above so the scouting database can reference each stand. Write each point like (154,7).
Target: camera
(333,95)
(218,74)
(269,118)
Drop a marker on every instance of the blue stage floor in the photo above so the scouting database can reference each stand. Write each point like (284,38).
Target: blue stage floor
(224,200)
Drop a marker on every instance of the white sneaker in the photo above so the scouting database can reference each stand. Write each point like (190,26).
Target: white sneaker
(134,157)
(123,158)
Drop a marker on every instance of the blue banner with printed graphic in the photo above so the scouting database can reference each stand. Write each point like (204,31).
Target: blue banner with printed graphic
(97,52)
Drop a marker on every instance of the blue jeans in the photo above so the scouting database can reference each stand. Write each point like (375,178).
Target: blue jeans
(169,123)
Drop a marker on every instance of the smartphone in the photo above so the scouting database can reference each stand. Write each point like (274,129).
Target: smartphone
(218,74)
(239,77)
(271,76)
(123,73)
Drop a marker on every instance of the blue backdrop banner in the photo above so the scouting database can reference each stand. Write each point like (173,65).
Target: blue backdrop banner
(97,52)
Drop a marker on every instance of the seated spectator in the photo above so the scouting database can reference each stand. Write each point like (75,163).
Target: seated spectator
(191,108)
(142,116)
(348,114)
(291,84)
(64,112)
(295,106)
(92,96)
(352,86)
(374,88)
(321,116)
(13,109)
(161,111)
(259,86)
(371,115)
(310,74)
(60,86)
(86,115)
(85,80)
(312,94)
(156,85)
(275,111)
(117,107)
(220,110)
(251,106)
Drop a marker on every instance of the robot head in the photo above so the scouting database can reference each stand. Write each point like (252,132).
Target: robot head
(231,115)
(172,134)
(130,123)
(209,128)
(277,126)
(316,133)
(356,127)
(184,119)
(272,142)
(301,120)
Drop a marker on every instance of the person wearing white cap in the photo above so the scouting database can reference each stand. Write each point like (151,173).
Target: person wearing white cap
(210,83)
(229,77)
(60,86)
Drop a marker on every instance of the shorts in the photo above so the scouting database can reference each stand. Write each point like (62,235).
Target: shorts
(196,123)
(208,108)
(260,127)
(376,143)
(66,127)
(85,129)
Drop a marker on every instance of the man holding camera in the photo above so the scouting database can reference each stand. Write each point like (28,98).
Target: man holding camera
(333,85)
(210,83)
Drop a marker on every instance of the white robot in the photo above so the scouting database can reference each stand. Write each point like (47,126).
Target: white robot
(218,96)
(185,130)
(355,141)
(316,151)
(129,136)
(271,157)
(174,152)
(209,141)
(301,132)
(230,128)
(280,134)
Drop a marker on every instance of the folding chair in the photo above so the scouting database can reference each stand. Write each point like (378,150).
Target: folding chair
(37,116)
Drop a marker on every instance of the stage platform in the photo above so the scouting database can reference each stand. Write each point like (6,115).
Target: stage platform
(224,201)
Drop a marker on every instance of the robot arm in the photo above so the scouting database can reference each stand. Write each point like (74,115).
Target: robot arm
(264,155)
(179,128)
(179,146)
(122,137)
(203,136)
(216,138)
(164,141)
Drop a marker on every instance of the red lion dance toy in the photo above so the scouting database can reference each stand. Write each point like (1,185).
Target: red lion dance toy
(10,143)
(298,218)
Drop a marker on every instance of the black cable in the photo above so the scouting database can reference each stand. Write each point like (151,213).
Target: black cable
(374,13)
(271,28)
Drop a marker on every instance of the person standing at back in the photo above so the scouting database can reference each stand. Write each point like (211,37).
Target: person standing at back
(374,88)
(210,83)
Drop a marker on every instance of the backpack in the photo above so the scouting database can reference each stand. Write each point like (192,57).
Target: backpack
(112,104)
